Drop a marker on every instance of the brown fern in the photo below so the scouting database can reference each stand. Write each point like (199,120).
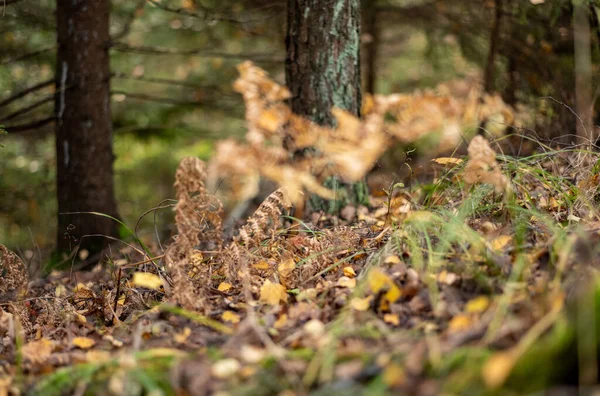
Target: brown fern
(199,221)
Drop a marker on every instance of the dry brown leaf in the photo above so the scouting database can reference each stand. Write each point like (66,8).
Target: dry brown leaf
(272,293)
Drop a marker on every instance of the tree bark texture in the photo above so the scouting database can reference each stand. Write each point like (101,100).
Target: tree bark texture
(323,62)
(323,71)
(84,155)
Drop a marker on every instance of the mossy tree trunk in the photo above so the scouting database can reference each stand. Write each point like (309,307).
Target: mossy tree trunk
(323,71)
(84,154)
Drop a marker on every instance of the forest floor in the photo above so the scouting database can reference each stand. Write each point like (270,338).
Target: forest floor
(432,288)
(478,279)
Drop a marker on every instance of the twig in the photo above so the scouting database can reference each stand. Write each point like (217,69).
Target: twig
(130,19)
(29,126)
(158,99)
(143,49)
(118,291)
(26,91)
(28,55)
(27,109)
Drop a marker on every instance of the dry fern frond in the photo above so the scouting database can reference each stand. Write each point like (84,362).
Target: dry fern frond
(265,220)
(352,148)
(245,248)
(13,275)
(482,166)
(199,220)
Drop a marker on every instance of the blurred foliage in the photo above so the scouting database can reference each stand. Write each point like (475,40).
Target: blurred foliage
(174,61)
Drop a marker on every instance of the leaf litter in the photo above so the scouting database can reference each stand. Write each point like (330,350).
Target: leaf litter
(461,285)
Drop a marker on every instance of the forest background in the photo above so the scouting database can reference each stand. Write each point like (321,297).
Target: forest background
(173,63)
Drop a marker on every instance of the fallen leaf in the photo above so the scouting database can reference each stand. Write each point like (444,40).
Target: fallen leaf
(393,375)
(281,321)
(392,260)
(497,368)
(380,281)
(285,268)
(272,293)
(224,286)
(500,243)
(251,354)
(361,304)
(226,368)
(38,351)
(344,281)
(460,322)
(349,272)
(181,338)
(147,280)
(230,316)
(83,342)
(392,319)
(477,305)
(447,160)
(261,265)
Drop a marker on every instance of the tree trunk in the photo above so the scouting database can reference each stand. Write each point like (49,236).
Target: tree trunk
(371,45)
(488,76)
(583,73)
(84,155)
(323,70)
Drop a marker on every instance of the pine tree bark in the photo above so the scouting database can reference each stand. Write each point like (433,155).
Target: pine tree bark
(371,46)
(323,70)
(84,155)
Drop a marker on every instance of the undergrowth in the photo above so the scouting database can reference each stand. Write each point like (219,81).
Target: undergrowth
(479,281)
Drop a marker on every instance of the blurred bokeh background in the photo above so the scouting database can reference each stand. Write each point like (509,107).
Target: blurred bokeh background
(173,65)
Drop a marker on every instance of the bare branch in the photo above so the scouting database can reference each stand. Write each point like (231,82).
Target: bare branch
(27,109)
(165,81)
(26,91)
(130,19)
(28,55)
(204,16)
(152,98)
(29,126)
(260,57)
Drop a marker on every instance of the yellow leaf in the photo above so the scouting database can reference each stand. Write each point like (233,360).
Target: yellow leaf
(497,368)
(281,321)
(83,342)
(349,272)
(447,160)
(60,291)
(224,286)
(361,304)
(380,281)
(477,305)
(272,293)
(180,338)
(261,265)
(392,260)
(344,281)
(393,375)
(460,322)
(286,268)
(147,280)
(230,316)
(392,319)
(500,243)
